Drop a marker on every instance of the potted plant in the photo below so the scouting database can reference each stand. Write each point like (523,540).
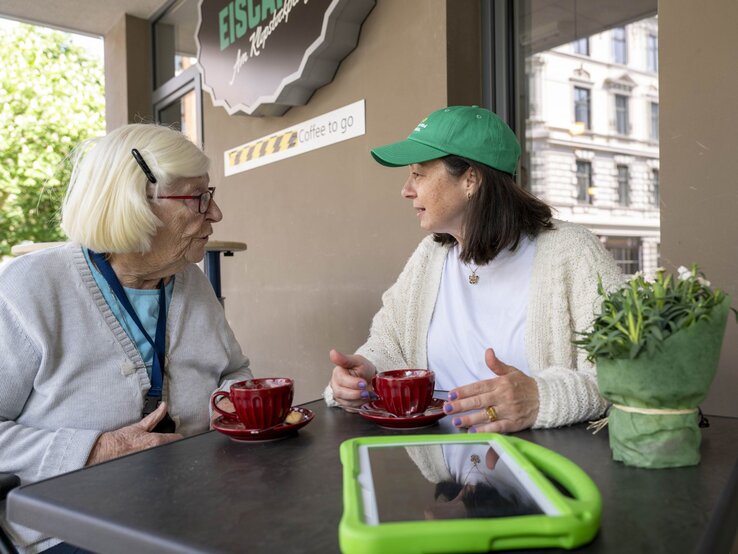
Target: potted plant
(656,344)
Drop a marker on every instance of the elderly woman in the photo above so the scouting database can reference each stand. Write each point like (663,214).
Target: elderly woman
(114,342)
(492,300)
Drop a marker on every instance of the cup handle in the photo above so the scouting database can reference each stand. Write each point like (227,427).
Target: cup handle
(374,388)
(219,394)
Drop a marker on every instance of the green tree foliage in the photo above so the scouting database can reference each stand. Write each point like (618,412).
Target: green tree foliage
(52,97)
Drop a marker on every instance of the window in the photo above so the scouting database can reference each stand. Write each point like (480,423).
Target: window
(623,186)
(626,251)
(655,194)
(619,46)
(581,46)
(177,95)
(652,54)
(622,123)
(585,190)
(582,106)
(572,167)
(655,121)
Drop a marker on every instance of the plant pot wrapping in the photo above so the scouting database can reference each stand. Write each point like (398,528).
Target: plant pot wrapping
(676,378)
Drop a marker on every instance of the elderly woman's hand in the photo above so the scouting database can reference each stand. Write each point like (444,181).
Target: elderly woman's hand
(503,405)
(132,438)
(351,380)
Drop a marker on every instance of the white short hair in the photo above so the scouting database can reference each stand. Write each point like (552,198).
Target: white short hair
(105,207)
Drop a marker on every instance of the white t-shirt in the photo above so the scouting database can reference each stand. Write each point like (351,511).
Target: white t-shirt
(468,319)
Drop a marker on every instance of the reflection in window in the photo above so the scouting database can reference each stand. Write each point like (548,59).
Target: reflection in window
(581,46)
(575,132)
(619,46)
(582,106)
(585,189)
(626,251)
(654,121)
(652,55)
(623,186)
(622,125)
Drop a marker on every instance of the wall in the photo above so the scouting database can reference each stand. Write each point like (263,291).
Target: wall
(327,231)
(127,72)
(699,158)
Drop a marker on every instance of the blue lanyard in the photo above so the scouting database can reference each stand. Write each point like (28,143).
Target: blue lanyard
(159,346)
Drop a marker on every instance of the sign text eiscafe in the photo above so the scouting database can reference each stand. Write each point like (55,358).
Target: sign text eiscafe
(260,57)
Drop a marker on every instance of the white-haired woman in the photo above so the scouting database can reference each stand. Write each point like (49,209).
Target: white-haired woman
(114,342)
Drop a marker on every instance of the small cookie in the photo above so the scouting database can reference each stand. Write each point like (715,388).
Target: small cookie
(294,417)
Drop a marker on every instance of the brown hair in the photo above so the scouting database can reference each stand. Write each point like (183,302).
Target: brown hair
(497,215)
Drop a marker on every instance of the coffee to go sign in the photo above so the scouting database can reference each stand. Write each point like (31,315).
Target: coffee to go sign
(261,57)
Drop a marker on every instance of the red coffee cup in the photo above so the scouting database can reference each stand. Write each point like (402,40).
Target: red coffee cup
(259,403)
(405,391)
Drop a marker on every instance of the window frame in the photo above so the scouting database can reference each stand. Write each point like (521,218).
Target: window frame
(655,187)
(176,87)
(577,105)
(619,45)
(623,180)
(577,46)
(584,194)
(631,244)
(625,111)
(652,52)
(654,121)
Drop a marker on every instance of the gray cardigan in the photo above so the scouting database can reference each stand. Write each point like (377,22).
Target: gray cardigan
(68,370)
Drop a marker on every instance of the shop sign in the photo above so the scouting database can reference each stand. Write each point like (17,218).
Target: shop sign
(336,126)
(261,57)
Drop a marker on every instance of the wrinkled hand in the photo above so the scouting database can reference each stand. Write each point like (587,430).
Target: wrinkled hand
(513,395)
(351,379)
(132,438)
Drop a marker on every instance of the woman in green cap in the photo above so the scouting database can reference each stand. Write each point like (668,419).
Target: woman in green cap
(492,299)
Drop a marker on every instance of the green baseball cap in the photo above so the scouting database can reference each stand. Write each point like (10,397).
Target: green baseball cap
(467,131)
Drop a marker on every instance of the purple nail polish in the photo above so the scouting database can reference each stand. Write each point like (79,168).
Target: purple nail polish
(448,408)
(472,429)
(457,421)
(452,395)
(362,385)
(364,394)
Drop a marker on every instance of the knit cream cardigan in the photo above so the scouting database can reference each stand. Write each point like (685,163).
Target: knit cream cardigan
(562,299)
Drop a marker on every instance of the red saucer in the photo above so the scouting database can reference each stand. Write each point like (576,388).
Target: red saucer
(390,421)
(235,430)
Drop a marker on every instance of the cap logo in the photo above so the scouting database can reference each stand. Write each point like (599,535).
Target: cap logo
(421,125)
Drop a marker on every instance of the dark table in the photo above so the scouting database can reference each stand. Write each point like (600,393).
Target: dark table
(210,494)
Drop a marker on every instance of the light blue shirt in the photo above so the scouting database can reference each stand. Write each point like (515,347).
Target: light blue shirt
(146,304)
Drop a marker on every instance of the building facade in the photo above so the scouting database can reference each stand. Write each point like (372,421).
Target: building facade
(593,137)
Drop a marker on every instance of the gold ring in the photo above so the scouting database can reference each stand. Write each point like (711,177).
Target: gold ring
(491,413)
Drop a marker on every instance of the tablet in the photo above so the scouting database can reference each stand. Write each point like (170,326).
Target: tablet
(462,493)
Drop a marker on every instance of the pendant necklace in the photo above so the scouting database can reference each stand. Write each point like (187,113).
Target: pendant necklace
(473,277)
(475,468)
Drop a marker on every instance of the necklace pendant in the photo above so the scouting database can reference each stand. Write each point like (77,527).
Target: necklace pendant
(473,279)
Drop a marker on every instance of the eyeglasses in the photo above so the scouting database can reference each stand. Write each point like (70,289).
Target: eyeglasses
(203,199)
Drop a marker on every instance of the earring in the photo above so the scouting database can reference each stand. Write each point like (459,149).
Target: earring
(468,195)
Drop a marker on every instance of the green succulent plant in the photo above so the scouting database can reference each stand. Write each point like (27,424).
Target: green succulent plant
(641,314)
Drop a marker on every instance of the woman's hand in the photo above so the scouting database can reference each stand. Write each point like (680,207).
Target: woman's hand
(132,438)
(512,395)
(351,380)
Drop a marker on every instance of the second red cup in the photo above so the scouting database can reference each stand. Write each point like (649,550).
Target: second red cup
(405,391)
(259,403)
